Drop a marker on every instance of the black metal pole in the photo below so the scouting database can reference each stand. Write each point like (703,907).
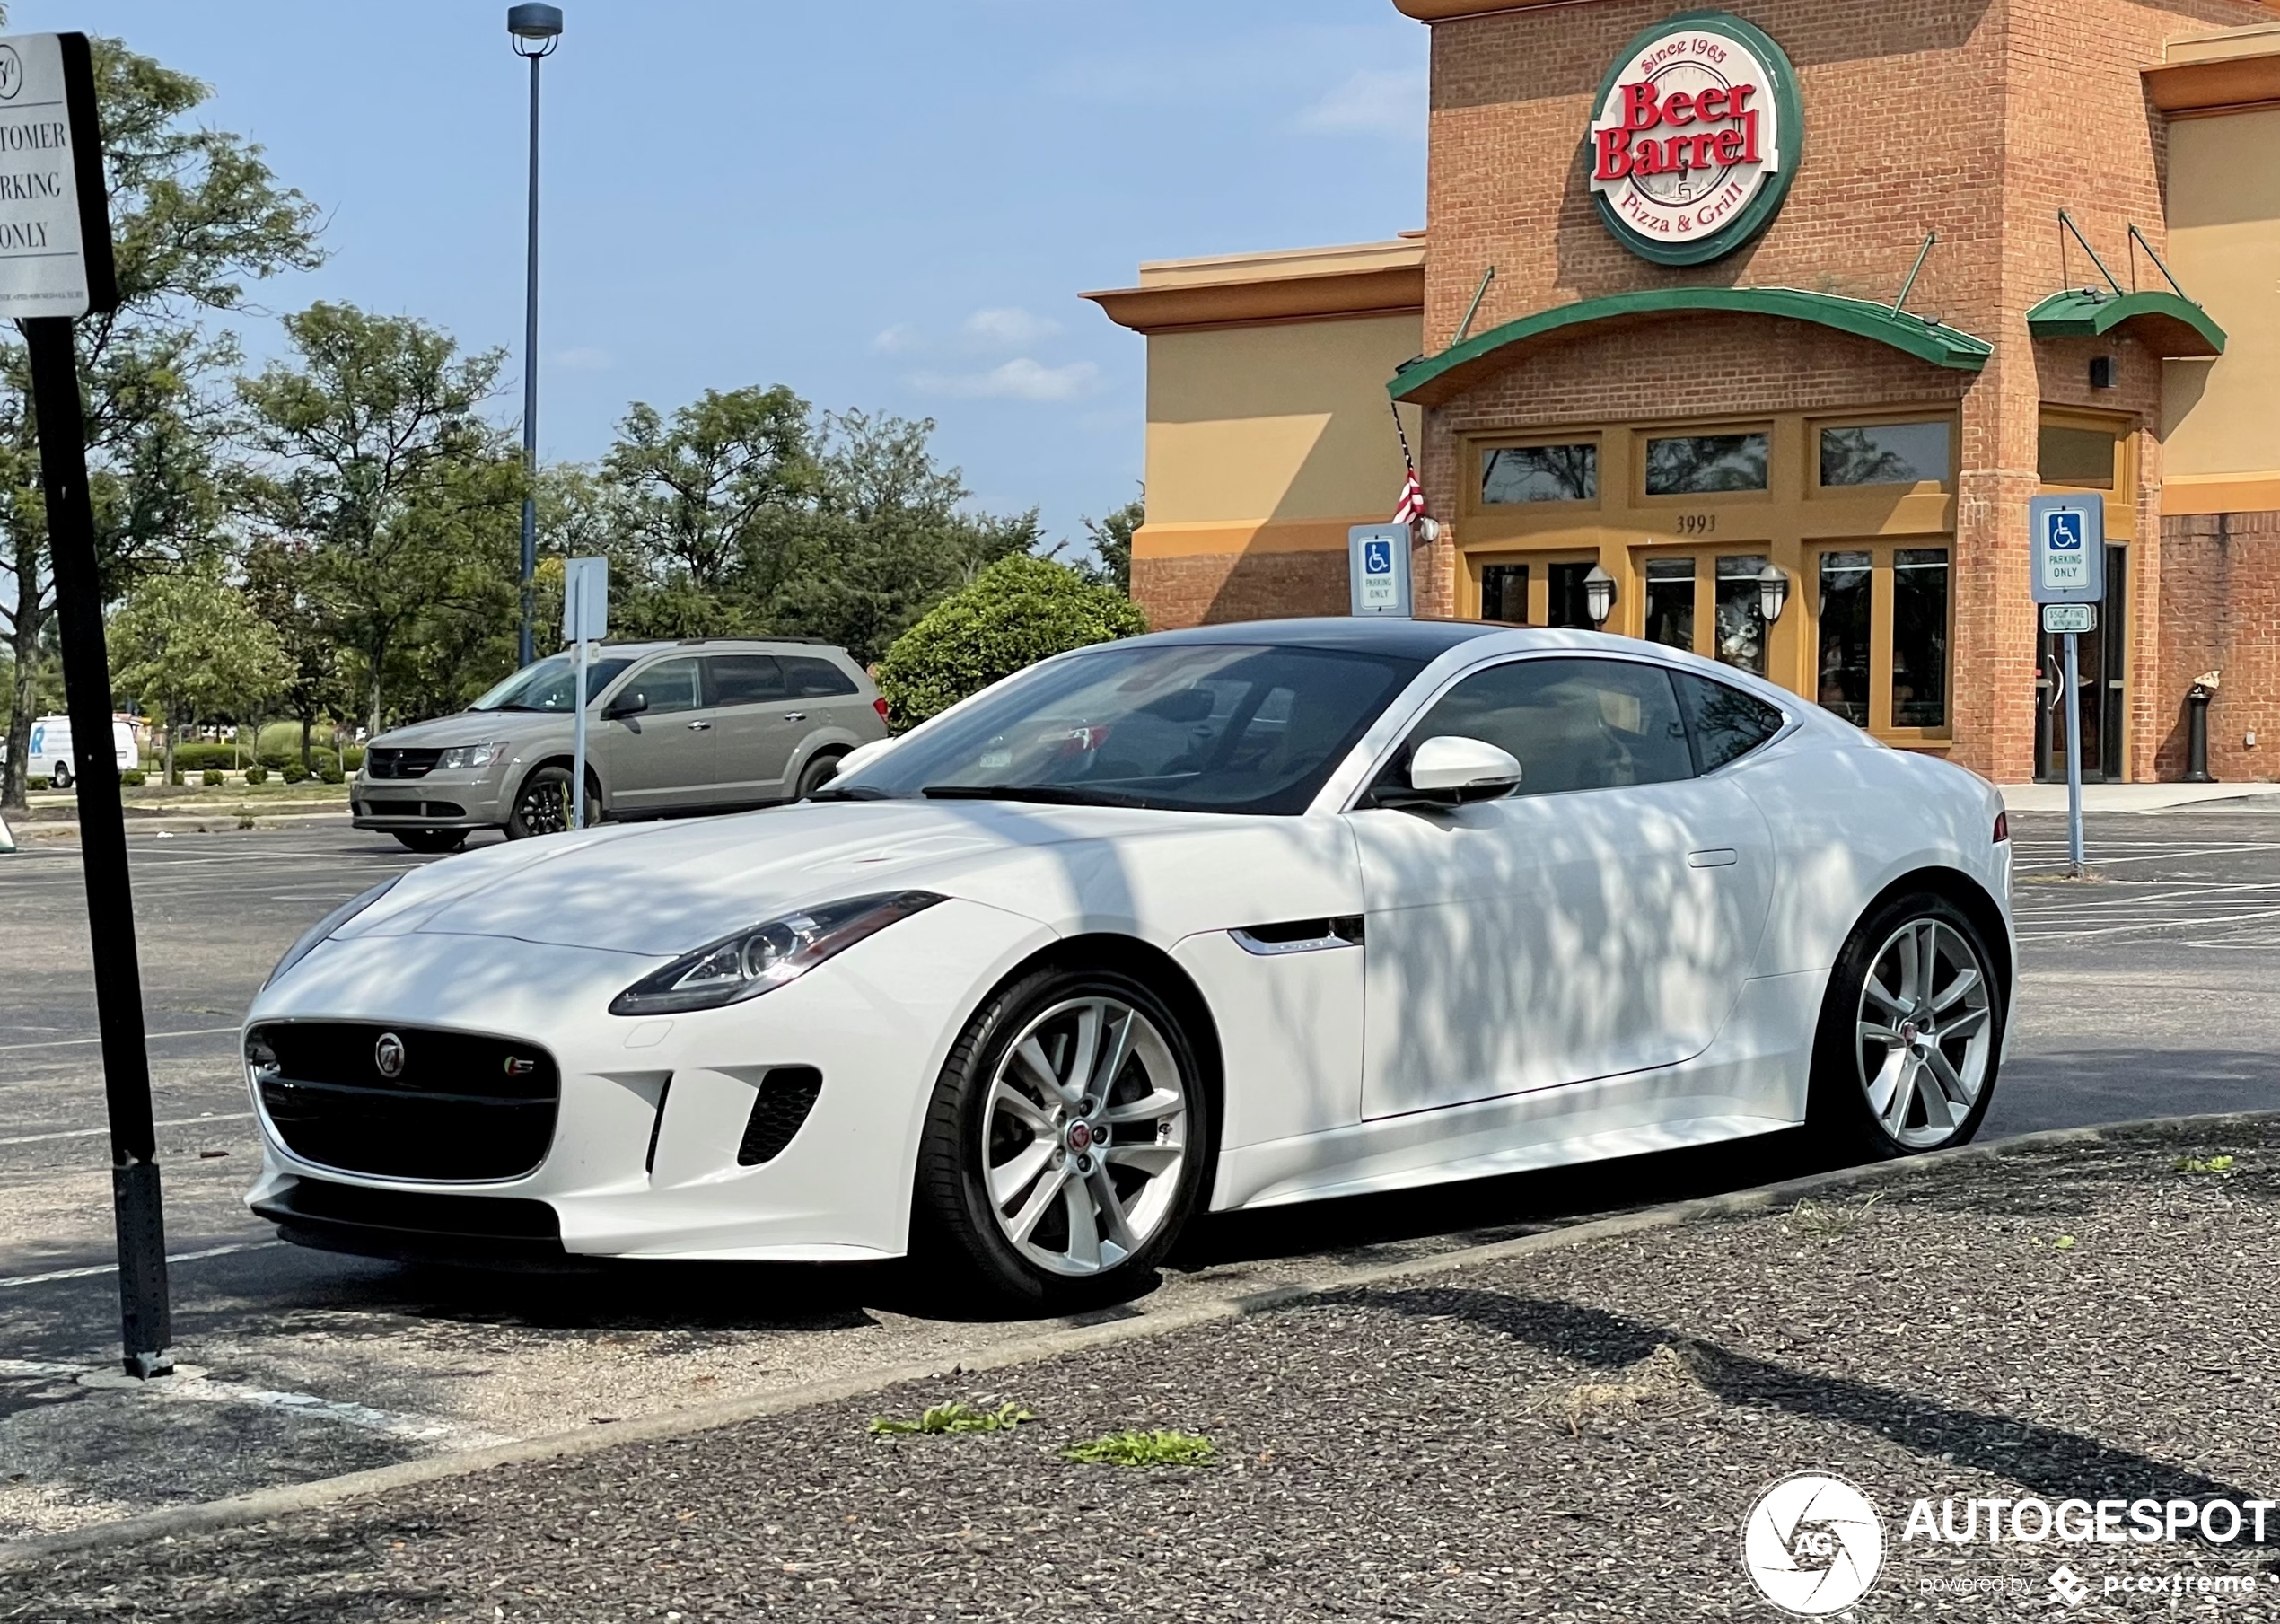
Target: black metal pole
(2197,736)
(146,1322)
(526,647)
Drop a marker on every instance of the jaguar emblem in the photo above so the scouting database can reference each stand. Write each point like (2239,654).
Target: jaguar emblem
(387,1055)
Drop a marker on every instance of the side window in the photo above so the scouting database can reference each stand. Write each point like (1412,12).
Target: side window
(1571,724)
(669,685)
(1725,721)
(809,678)
(744,679)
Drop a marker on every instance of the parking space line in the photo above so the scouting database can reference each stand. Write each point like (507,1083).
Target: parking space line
(198,1389)
(89,1133)
(2187,923)
(93,1269)
(197,1031)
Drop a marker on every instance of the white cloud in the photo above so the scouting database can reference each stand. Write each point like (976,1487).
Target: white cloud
(1011,326)
(899,339)
(584,360)
(1020,379)
(1374,102)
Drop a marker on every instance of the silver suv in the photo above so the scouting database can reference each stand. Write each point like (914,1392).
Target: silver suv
(706,725)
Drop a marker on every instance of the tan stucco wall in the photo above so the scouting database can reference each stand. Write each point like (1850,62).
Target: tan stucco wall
(2219,424)
(1281,422)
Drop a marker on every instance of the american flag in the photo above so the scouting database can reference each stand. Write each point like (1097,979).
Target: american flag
(1412,505)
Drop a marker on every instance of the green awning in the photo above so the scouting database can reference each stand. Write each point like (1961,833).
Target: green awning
(1437,378)
(2173,328)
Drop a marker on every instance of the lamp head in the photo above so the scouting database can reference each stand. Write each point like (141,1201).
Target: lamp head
(535,28)
(1772,594)
(1599,595)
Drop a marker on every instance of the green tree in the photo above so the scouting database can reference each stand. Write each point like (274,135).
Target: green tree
(408,496)
(1111,540)
(188,643)
(279,577)
(1015,613)
(196,214)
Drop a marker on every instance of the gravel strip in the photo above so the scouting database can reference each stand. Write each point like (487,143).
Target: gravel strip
(1574,1435)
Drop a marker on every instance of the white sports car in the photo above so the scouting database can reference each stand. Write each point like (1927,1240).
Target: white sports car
(1233,918)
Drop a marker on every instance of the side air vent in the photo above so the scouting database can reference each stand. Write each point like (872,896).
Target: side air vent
(788,1094)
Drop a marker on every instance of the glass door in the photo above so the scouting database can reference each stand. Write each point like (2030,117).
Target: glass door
(2102,696)
(1707,603)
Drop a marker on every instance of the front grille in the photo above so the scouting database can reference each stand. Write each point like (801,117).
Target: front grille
(788,1094)
(395,1223)
(411,809)
(400,763)
(460,1107)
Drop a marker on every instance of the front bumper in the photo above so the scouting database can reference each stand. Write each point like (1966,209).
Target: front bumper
(461,800)
(644,1160)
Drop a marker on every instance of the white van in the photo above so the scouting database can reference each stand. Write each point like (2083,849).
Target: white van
(49,755)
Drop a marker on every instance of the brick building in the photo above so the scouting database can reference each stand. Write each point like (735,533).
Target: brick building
(1819,289)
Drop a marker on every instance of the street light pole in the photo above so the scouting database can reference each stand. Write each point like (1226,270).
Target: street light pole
(536,30)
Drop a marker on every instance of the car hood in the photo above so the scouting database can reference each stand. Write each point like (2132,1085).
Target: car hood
(665,889)
(472,727)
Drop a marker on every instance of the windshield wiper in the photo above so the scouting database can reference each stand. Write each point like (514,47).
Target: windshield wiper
(850,791)
(1049,795)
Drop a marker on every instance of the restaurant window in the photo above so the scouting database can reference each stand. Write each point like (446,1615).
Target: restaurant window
(1539,473)
(1503,593)
(1920,636)
(1670,601)
(2078,456)
(1845,585)
(1688,465)
(1884,453)
(1741,631)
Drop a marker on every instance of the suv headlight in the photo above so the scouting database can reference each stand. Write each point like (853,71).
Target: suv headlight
(461,756)
(330,923)
(765,956)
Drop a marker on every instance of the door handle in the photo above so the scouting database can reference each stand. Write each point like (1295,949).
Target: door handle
(1718,856)
(698,727)
(795,715)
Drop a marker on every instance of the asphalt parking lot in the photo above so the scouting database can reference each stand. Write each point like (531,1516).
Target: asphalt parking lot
(2144,993)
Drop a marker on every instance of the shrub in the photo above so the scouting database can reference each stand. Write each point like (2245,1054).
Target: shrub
(257,774)
(37,782)
(197,756)
(333,775)
(1015,613)
(175,776)
(132,778)
(211,778)
(352,759)
(293,772)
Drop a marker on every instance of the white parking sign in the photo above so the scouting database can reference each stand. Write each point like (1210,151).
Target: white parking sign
(2066,536)
(1378,566)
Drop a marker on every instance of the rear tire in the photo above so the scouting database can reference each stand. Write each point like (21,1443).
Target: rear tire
(1066,1142)
(61,778)
(1910,1035)
(816,774)
(431,841)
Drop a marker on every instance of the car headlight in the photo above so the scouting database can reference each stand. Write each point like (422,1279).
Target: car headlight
(330,923)
(760,957)
(461,756)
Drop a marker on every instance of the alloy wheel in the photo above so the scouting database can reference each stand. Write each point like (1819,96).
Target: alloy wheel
(1927,1033)
(1084,1135)
(544,808)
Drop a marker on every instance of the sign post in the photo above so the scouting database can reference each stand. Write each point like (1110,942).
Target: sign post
(1378,569)
(55,266)
(585,619)
(2067,541)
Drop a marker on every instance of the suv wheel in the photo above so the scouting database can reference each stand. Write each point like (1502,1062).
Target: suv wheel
(816,774)
(542,806)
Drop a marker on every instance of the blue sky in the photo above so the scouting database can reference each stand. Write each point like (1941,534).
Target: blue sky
(886,204)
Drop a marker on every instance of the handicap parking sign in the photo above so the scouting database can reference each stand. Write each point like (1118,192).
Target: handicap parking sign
(1377,557)
(1378,562)
(2066,538)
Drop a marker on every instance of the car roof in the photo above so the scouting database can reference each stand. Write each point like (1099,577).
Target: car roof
(716,645)
(1360,634)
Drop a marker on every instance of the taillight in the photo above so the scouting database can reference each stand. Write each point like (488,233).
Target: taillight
(879,705)
(2002,827)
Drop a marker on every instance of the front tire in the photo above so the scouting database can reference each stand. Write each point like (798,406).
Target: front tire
(1065,1144)
(542,806)
(1911,1033)
(61,778)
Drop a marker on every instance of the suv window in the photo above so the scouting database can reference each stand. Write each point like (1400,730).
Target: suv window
(1725,721)
(1571,724)
(669,685)
(745,679)
(809,678)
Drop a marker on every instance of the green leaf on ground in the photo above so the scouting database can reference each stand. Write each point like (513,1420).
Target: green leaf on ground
(2220,1165)
(2065,1243)
(957,1416)
(1145,1449)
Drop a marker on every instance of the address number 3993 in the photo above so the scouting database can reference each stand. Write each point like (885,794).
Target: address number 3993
(1697,524)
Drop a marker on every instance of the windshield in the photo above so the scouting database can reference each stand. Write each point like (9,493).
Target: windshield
(546,686)
(1190,727)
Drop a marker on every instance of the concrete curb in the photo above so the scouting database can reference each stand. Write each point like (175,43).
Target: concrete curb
(1104,1329)
(223,819)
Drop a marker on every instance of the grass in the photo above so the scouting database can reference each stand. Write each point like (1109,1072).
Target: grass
(957,1416)
(1833,1220)
(1145,1449)
(2218,1165)
(1671,1371)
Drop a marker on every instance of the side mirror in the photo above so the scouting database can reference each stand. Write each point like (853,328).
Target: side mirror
(1449,770)
(627,705)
